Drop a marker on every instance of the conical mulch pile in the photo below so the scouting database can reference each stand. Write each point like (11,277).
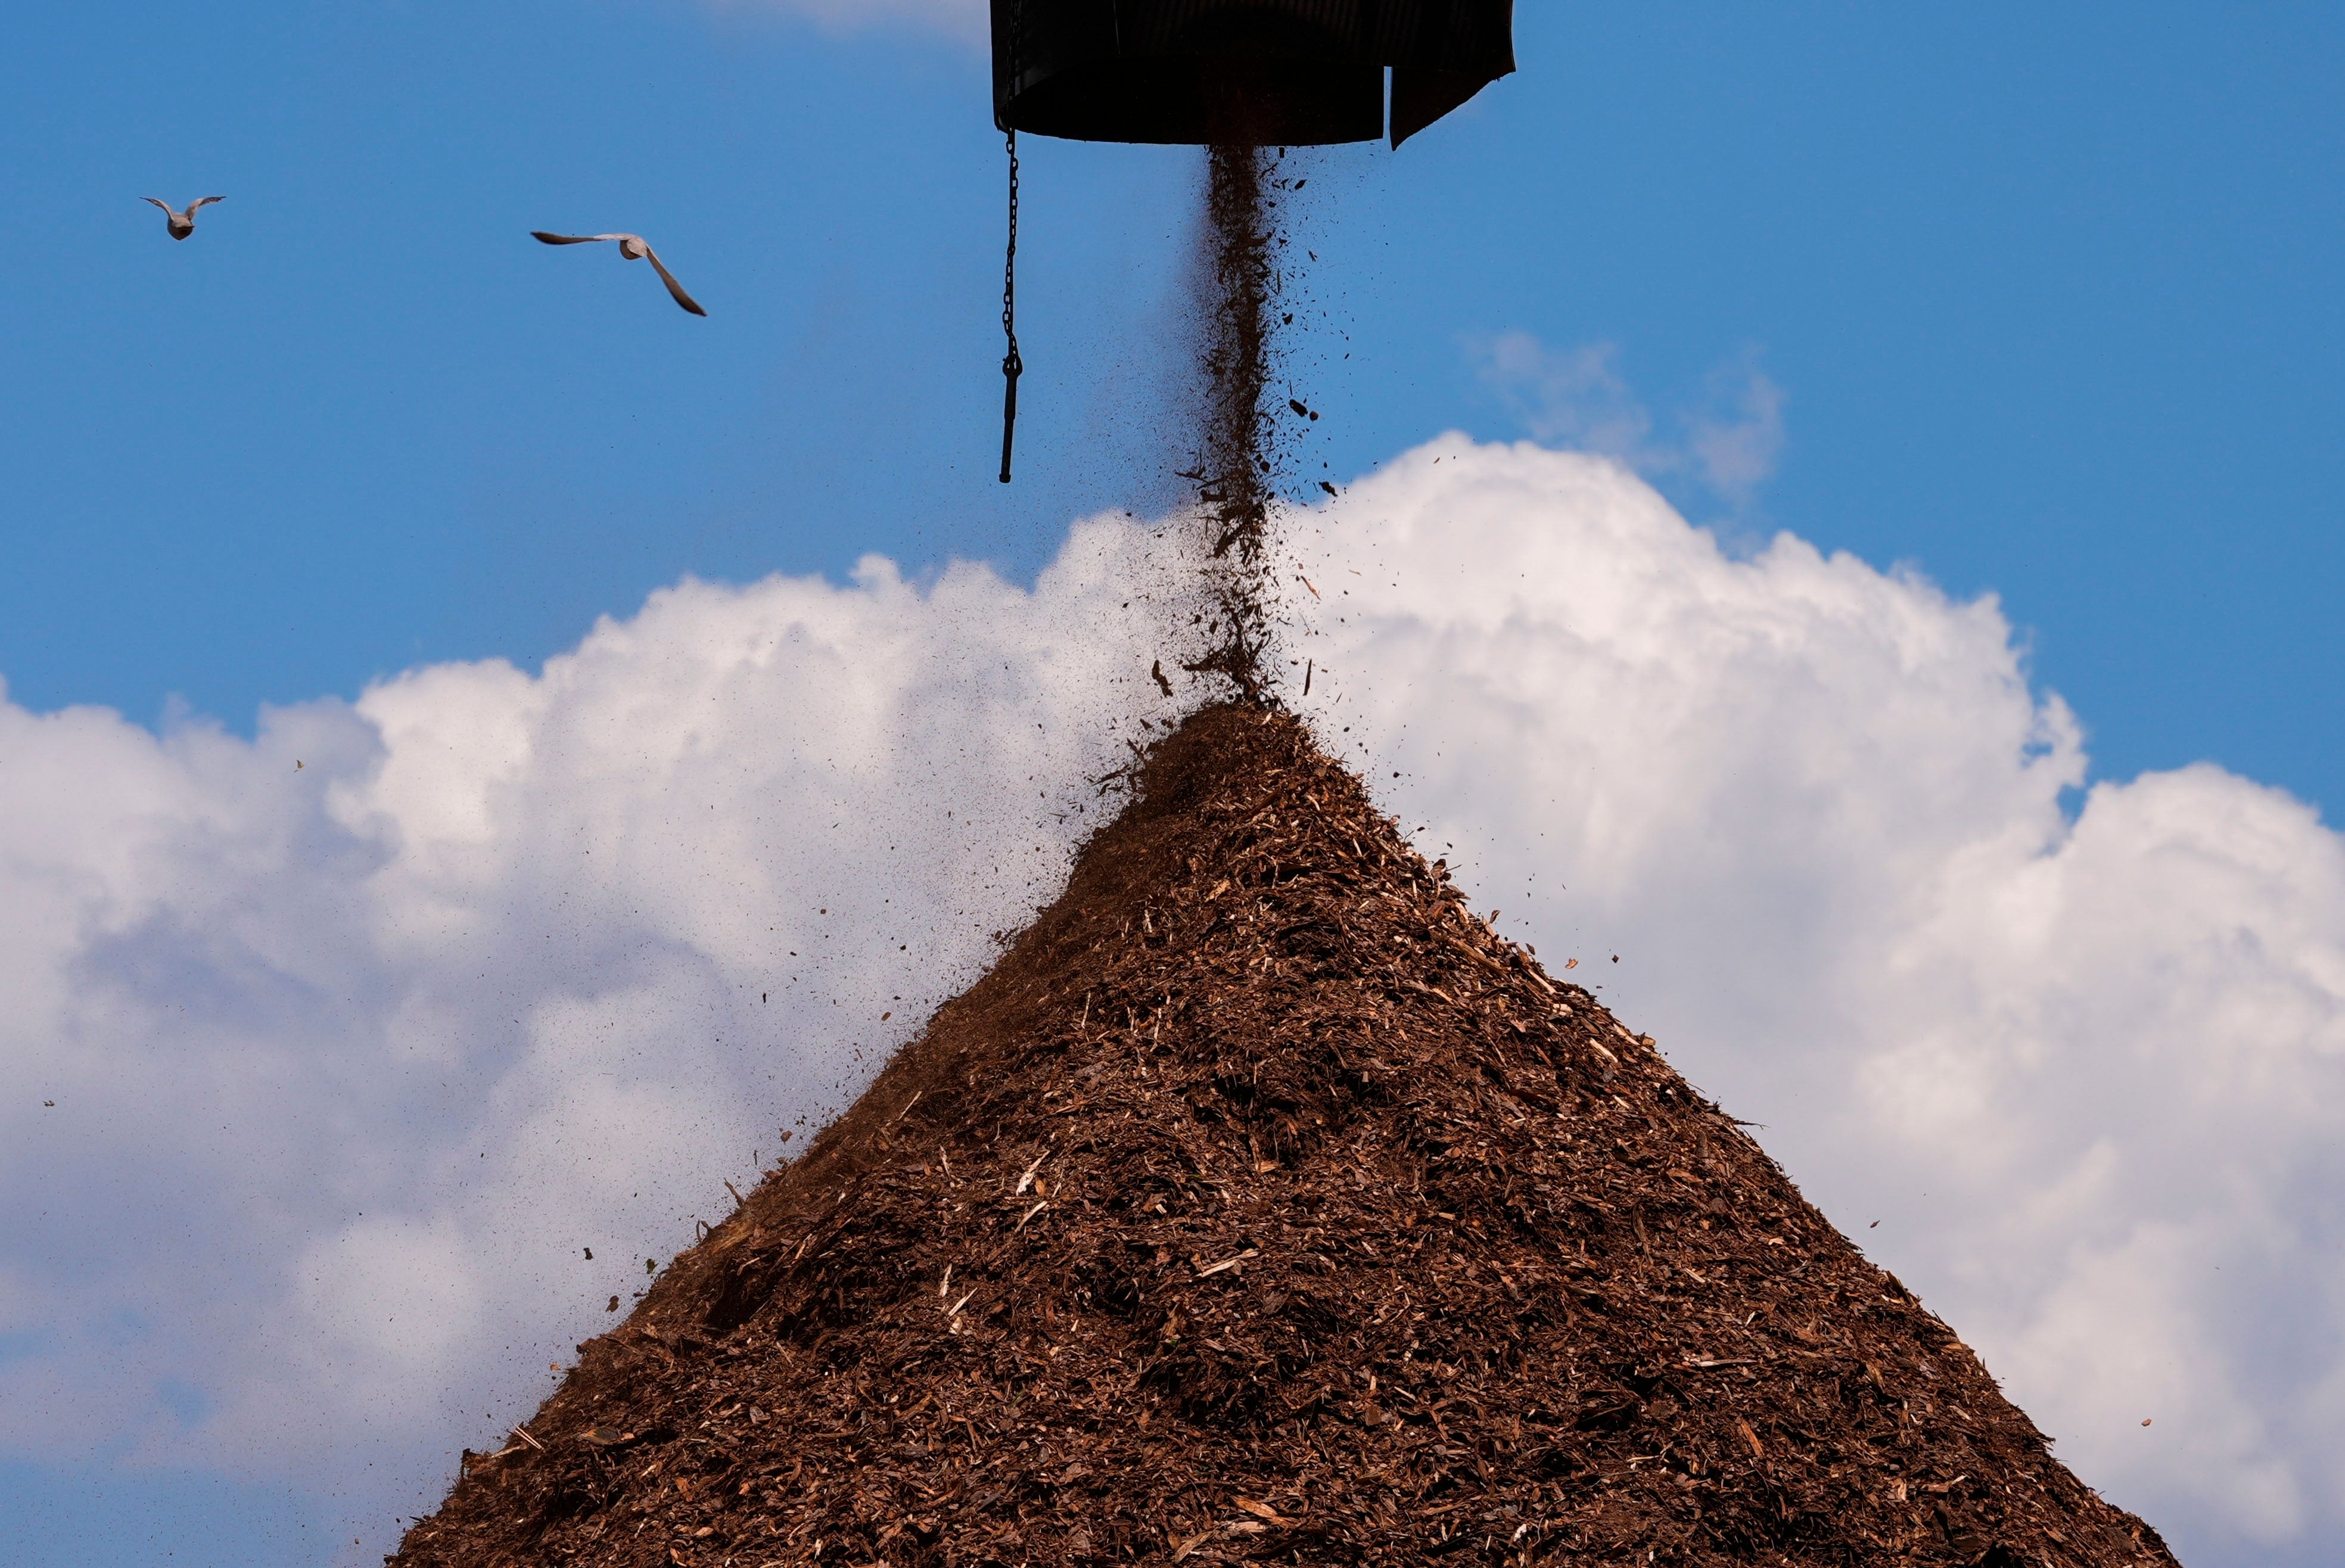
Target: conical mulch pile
(1262,1204)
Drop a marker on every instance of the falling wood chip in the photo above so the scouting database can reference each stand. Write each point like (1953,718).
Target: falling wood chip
(1228,1263)
(1751,1438)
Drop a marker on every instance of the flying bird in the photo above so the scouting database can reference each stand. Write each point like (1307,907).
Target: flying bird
(635,248)
(183,224)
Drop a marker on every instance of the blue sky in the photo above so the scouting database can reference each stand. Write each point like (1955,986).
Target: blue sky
(2051,297)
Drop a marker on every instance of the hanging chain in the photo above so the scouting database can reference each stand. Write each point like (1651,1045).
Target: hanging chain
(1012,366)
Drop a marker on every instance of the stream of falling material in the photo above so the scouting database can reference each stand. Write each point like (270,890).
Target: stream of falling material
(1239,451)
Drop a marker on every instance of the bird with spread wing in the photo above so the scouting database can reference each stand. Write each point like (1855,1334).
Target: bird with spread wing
(182,224)
(635,248)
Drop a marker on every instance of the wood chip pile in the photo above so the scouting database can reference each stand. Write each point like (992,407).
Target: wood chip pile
(1262,1204)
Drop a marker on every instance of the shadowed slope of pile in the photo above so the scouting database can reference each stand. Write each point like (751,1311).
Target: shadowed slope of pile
(1261,1203)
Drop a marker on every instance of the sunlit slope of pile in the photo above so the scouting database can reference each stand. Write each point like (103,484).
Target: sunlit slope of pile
(1261,1203)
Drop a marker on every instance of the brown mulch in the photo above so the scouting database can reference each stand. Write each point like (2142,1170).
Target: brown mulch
(1262,1204)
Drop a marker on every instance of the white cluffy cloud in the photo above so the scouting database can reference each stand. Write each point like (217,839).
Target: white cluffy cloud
(2085,1068)
(361,1034)
(353,1060)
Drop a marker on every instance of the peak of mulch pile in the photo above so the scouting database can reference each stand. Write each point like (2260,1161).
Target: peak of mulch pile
(1262,1204)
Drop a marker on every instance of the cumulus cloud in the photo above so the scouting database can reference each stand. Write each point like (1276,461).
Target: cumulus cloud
(362,1034)
(354,1059)
(2086,1070)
